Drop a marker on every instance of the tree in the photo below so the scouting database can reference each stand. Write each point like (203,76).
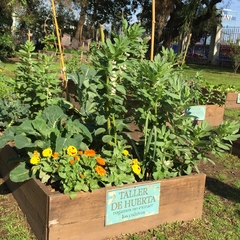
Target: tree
(234,54)
(174,17)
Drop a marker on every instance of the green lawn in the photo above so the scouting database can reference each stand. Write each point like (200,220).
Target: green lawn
(214,74)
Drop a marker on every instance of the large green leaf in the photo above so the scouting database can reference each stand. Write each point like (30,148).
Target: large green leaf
(53,115)
(64,143)
(22,141)
(8,135)
(21,173)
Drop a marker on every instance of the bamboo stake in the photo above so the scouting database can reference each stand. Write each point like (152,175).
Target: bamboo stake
(185,53)
(63,70)
(153,30)
(29,35)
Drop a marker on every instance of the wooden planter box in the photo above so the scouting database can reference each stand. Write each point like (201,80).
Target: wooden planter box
(211,113)
(231,100)
(53,215)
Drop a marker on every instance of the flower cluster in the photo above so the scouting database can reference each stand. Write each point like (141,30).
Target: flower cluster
(78,170)
(135,165)
(74,157)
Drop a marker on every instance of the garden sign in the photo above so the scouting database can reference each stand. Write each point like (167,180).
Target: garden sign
(130,203)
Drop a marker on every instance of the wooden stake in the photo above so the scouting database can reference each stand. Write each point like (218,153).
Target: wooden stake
(29,35)
(153,30)
(63,70)
(186,50)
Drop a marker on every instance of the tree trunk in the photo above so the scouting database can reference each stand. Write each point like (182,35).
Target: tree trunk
(81,20)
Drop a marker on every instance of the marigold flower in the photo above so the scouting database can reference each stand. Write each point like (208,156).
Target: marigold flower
(34,160)
(36,153)
(55,155)
(90,153)
(77,157)
(136,169)
(100,170)
(47,152)
(71,161)
(125,152)
(135,161)
(71,151)
(100,161)
(80,152)
(81,175)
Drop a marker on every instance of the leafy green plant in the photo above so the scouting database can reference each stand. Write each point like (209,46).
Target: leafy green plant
(73,64)
(101,86)
(12,112)
(6,45)
(49,42)
(34,83)
(172,144)
(6,83)
(206,93)
(58,147)
(50,141)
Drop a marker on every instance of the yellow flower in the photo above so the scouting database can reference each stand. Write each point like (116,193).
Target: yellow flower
(100,170)
(71,151)
(135,161)
(90,153)
(125,152)
(136,169)
(100,161)
(0,70)
(34,160)
(47,152)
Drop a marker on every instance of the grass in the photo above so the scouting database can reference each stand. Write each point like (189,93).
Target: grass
(8,68)
(13,225)
(221,210)
(214,74)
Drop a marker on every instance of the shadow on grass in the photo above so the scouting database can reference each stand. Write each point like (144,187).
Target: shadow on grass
(3,188)
(223,190)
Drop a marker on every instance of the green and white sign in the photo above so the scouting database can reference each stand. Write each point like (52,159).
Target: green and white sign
(130,203)
(238,98)
(198,112)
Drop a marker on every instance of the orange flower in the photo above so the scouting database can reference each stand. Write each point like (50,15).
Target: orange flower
(100,170)
(80,152)
(100,161)
(36,153)
(81,175)
(55,155)
(77,158)
(90,153)
(71,151)
(71,161)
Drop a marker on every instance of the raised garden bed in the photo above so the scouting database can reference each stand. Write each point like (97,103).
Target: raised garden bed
(232,100)
(211,113)
(52,215)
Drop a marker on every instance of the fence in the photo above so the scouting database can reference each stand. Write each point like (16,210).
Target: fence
(229,34)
